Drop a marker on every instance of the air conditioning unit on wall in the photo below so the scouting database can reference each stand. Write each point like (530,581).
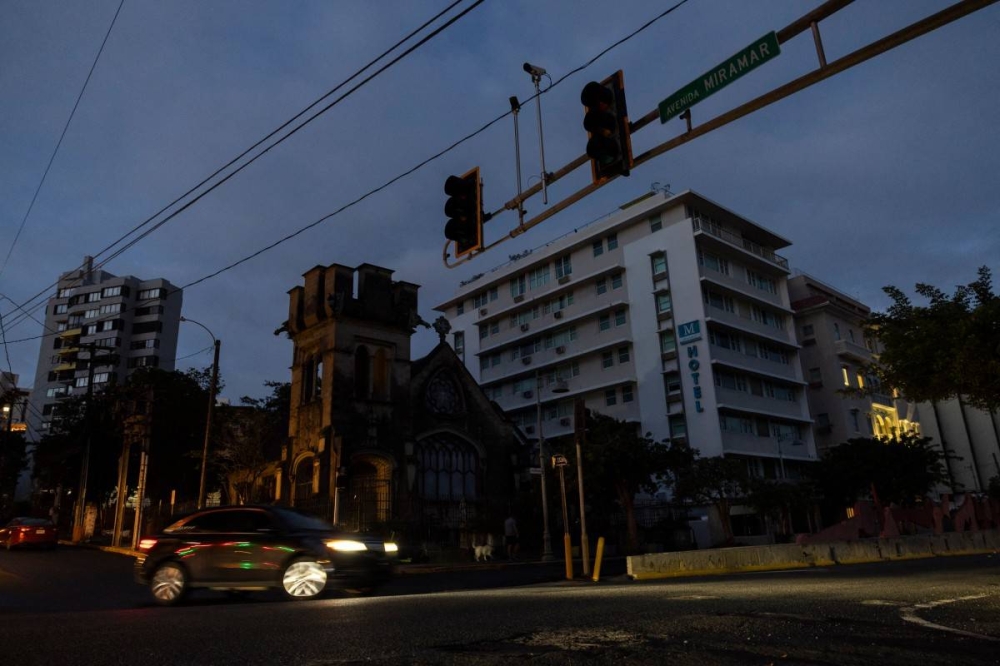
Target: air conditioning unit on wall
(564,421)
(524,328)
(483,312)
(527,394)
(557,314)
(560,349)
(526,360)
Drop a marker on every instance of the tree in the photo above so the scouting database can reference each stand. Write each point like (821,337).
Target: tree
(716,481)
(250,439)
(618,458)
(13,458)
(899,470)
(947,348)
(775,501)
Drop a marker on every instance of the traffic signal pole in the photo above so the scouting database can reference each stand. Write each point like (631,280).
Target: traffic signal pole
(825,70)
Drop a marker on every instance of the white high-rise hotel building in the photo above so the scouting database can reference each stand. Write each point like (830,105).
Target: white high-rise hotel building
(673,312)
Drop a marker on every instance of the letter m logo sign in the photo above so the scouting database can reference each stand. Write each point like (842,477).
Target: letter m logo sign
(689,332)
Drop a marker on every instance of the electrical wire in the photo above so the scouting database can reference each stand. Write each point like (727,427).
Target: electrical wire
(61,137)
(355,75)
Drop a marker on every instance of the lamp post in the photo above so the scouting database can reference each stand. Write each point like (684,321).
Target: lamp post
(560,387)
(211,408)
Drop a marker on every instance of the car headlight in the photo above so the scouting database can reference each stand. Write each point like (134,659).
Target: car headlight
(390,547)
(346,545)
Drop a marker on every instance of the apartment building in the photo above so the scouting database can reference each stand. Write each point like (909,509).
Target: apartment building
(131,324)
(673,313)
(834,354)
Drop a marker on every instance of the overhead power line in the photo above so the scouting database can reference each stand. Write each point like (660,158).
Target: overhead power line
(370,64)
(38,189)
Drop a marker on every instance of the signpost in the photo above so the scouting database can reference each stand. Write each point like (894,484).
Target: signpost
(720,76)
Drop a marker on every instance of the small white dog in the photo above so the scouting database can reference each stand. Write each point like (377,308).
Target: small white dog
(484,552)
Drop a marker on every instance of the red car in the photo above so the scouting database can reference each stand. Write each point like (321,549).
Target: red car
(28,532)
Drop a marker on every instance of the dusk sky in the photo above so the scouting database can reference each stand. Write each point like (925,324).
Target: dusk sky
(888,173)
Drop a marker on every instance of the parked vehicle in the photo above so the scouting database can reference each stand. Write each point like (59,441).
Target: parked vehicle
(29,532)
(254,548)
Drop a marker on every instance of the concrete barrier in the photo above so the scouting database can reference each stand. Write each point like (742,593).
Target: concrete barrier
(794,556)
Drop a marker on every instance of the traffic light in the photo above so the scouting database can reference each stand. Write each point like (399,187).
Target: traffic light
(609,144)
(464,209)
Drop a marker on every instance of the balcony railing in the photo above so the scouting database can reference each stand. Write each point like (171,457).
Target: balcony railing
(850,349)
(709,227)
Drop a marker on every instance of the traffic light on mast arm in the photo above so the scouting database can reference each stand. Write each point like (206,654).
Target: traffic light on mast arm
(609,144)
(464,209)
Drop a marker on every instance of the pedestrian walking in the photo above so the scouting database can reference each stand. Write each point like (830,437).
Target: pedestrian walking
(510,537)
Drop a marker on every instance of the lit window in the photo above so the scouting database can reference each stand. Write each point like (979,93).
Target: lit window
(846,375)
(861,380)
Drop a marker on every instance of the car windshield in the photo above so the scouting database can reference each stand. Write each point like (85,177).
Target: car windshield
(299,521)
(31,522)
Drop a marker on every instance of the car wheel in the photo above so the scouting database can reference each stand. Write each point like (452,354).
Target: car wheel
(169,584)
(303,579)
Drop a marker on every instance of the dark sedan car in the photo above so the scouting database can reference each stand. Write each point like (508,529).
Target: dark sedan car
(253,548)
(28,532)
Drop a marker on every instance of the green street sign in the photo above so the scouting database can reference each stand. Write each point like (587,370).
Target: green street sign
(720,76)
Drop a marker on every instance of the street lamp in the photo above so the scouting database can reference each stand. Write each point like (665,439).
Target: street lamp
(560,387)
(211,408)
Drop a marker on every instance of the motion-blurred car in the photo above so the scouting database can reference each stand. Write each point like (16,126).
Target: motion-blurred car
(28,532)
(255,548)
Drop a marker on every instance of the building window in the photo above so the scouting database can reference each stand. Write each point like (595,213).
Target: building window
(610,397)
(612,242)
(714,262)
(655,223)
(479,300)
(816,376)
(93,297)
(151,294)
(362,373)
(846,375)
(80,382)
(494,293)
(143,344)
(861,380)
(668,343)
(149,310)
(619,318)
(111,291)
(484,363)
(484,332)
(761,282)
(854,420)
(823,420)
(449,470)
(538,277)
(496,359)
(144,327)
(112,308)
(627,395)
(808,331)
(598,247)
(607,359)
(720,302)
(604,322)
(60,308)
(495,327)
(616,280)
(623,355)
(381,368)
(602,286)
(659,263)
(836,331)
(662,303)
(850,334)
(64,292)
(101,377)
(460,308)
(563,267)
(517,286)
(90,314)
(458,343)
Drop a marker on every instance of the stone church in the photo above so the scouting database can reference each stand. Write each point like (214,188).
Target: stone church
(378,440)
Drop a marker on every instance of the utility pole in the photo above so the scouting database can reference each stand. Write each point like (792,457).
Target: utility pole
(79,528)
(580,425)
(208,422)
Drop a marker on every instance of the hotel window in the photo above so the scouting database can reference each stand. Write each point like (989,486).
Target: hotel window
(836,331)
(815,376)
(64,293)
(846,375)
(662,303)
(460,308)
(563,267)
(604,322)
(112,291)
(659,263)
(627,395)
(619,318)
(495,359)
(495,327)
(655,223)
(718,301)
(612,242)
(610,397)
(93,297)
(494,293)
(668,343)
(598,246)
(762,282)
(718,264)
(607,359)
(767,318)
(484,332)
(60,308)
(517,286)
(602,286)
(616,280)
(484,363)
(623,355)
(808,331)
(479,300)
(538,277)
(458,342)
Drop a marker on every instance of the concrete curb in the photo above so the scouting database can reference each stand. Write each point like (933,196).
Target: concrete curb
(107,549)
(795,556)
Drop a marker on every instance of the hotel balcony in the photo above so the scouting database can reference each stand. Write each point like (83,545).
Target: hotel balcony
(749,325)
(753,445)
(735,359)
(732,240)
(852,350)
(739,400)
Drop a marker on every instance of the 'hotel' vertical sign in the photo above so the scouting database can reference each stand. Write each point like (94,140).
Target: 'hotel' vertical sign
(687,335)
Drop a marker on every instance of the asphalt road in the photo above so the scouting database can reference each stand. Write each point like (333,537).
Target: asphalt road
(79,607)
